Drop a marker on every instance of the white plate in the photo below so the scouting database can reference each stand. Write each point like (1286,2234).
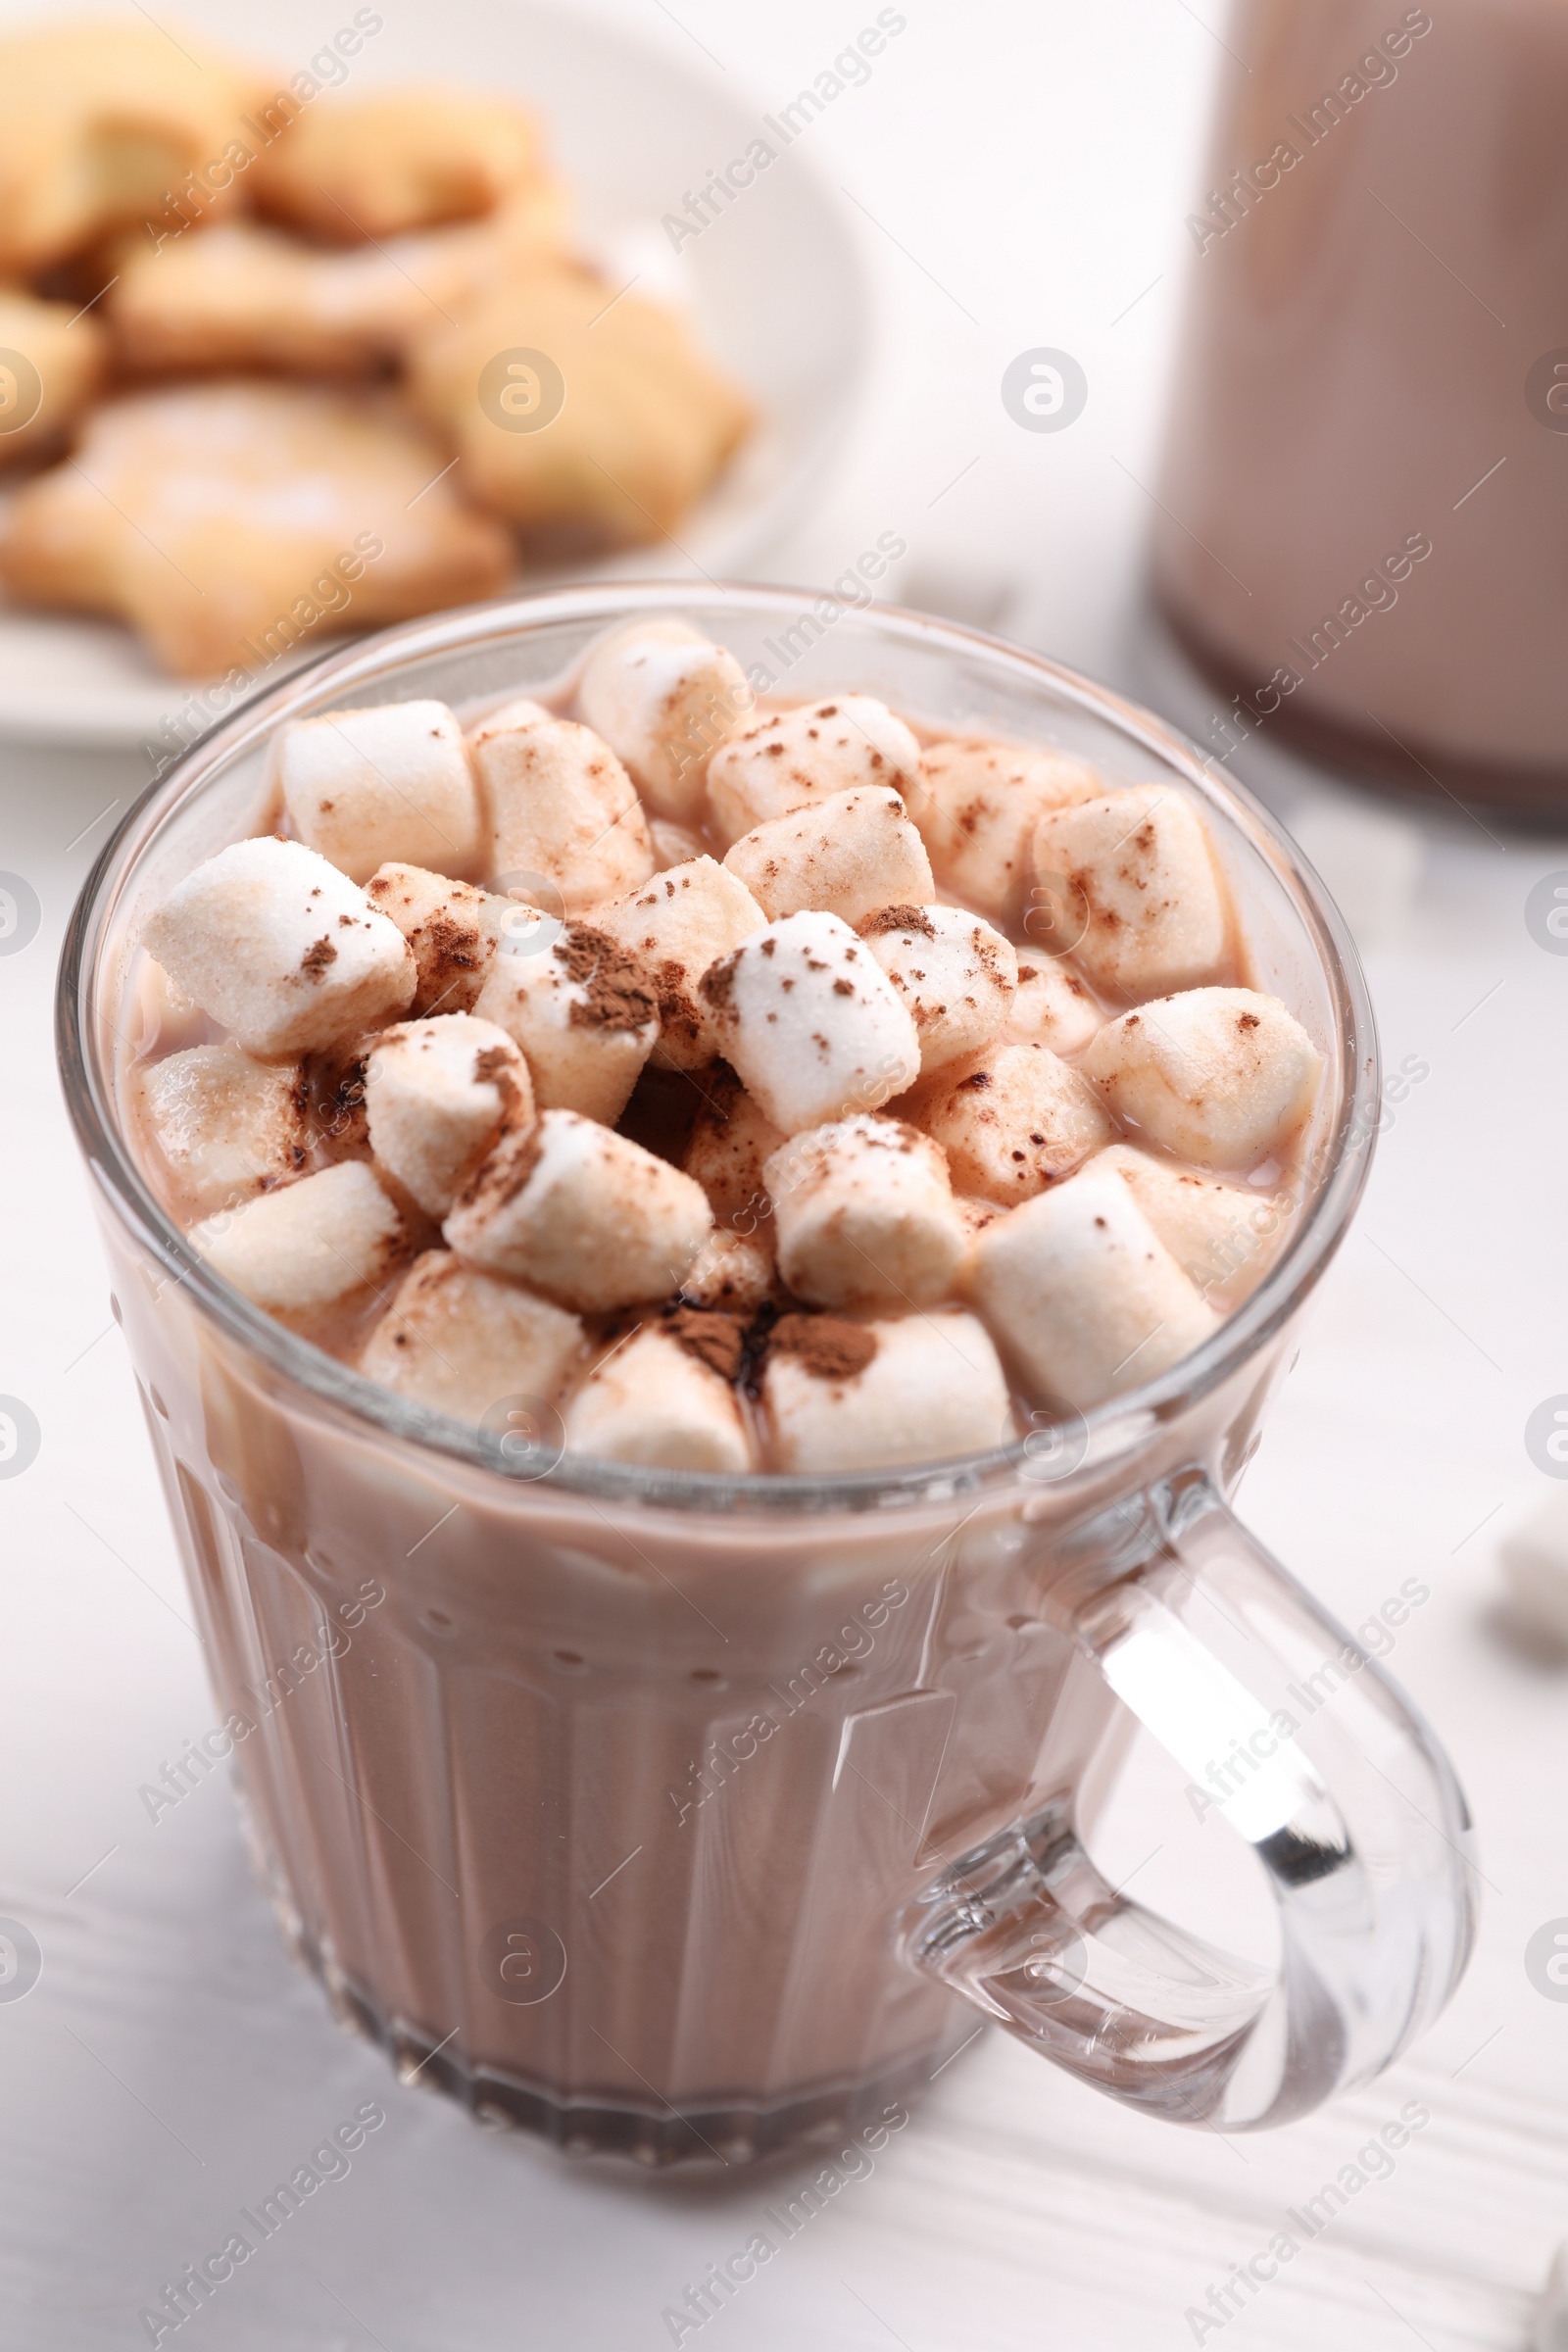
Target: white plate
(776,285)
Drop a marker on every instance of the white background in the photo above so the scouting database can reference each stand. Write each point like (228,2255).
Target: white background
(1024,167)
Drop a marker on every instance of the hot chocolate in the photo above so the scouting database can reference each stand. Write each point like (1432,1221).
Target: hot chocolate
(667,1808)
(1360,532)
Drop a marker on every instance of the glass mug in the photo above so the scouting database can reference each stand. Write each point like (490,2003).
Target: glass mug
(668,1814)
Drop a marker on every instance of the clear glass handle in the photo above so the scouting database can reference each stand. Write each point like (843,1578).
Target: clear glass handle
(1327,1772)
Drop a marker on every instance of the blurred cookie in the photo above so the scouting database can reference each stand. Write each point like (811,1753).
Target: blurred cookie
(50,364)
(241,296)
(230,521)
(578,411)
(402,160)
(100,123)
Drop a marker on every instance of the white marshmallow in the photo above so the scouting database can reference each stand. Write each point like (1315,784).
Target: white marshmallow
(461,1342)
(870,1396)
(849,854)
(1052,1006)
(437,1094)
(366,785)
(976,1214)
(1128,887)
(309,1246)
(506,719)
(1549,2324)
(1218,1234)
(674,930)
(1535,1562)
(977,804)
(222,1126)
(582,1016)
(1078,1289)
(583,1213)
(733,1271)
(562,806)
(282,950)
(795,756)
(673,845)
(731,1138)
(660,1400)
(664,697)
(451,927)
(1217,1075)
(957,976)
(1010,1119)
(865,1215)
(810,1021)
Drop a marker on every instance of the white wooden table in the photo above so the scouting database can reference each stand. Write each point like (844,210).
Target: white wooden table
(1026,169)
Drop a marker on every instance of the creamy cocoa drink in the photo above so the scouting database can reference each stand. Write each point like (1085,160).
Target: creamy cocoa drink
(1361,531)
(698,1332)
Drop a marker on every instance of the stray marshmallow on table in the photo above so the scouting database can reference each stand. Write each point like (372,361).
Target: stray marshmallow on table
(732,1137)
(583,1213)
(1535,1563)
(1128,886)
(1083,1294)
(675,929)
(1218,1075)
(957,976)
(271,941)
(562,807)
(664,697)
(865,1215)
(1052,1007)
(452,929)
(1549,2327)
(847,856)
(224,1126)
(977,804)
(366,786)
(810,1021)
(667,1398)
(461,1342)
(584,1019)
(841,1396)
(797,756)
(309,1246)
(1010,1119)
(437,1094)
(1214,1231)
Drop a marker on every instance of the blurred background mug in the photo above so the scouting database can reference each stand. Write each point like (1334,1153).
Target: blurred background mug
(1365,489)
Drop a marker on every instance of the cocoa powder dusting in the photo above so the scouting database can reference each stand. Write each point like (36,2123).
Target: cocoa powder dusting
(677,1014)
(824,1344)
(896,918)
(718,984)
(508,1168)
(616,995)
(713,1338)
(447,947)
(317,957)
